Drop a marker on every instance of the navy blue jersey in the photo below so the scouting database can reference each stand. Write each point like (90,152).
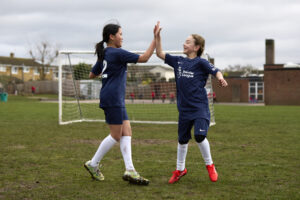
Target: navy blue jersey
(114,73)
(191,76)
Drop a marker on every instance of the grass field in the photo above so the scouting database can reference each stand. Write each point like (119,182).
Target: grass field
(144,112)
(255,149)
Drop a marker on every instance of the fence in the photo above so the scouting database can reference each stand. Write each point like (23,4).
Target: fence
(41,87)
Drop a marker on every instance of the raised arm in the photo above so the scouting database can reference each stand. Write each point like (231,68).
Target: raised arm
(159,51)
(145,57)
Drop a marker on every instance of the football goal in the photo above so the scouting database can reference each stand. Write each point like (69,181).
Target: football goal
(150,90)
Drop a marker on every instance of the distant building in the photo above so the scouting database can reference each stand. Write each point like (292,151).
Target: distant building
(241,88)
(282,81)
(163,71)
(279,84)
(157,71)
(25,69)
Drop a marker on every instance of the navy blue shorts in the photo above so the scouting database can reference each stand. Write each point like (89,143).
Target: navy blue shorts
(115,115)
(185,126)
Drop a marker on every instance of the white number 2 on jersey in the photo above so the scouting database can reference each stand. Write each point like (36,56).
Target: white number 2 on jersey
(104,68)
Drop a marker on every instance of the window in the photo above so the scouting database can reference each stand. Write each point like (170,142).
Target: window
(14,70)
(36,71)
(26,69)
(256,91)
(2,69)
(260,98)
(46,70)
(260,90)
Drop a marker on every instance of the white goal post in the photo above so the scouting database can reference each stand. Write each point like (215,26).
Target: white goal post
(150,91)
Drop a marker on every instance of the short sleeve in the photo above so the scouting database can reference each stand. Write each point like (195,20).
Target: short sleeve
(128,57)
(171,60)
(209,68)
(97,68)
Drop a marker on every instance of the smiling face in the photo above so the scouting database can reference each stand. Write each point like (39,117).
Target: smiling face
(189,47)
(117,39)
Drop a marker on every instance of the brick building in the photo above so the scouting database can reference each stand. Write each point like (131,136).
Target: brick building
(24,69)
(279,85)
(240,89)
(282,82)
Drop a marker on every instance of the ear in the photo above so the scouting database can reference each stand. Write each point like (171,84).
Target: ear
(112,37)
(197,47)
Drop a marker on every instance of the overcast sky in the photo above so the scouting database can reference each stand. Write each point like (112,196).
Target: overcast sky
(235,30)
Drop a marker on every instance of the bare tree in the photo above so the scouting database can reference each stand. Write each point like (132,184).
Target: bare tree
(45,54)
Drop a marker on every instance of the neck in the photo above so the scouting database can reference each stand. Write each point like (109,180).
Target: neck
(110,44)
(192,55)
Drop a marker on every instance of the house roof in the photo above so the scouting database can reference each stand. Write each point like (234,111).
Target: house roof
(161,69)
(18,61)
(243,73)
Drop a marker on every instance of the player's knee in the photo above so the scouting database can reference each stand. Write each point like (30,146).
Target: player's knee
(183,141)
(199,138)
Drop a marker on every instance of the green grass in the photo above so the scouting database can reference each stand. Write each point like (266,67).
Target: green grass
(255,149)
(134,111)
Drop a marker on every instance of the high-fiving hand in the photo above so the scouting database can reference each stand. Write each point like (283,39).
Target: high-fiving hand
(157,29)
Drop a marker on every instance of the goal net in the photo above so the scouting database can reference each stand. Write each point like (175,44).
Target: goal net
(150,90)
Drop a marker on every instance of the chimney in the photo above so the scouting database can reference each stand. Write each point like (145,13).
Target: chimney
(12,54)
(270,52)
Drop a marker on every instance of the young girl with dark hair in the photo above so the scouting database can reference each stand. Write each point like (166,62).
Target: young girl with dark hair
(191,74)
(112,66)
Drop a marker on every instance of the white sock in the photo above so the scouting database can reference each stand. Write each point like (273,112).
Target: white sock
(103,148)
(125,146)
(181,155)
(205,151)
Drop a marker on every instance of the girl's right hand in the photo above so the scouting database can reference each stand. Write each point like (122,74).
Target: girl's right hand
(157,30)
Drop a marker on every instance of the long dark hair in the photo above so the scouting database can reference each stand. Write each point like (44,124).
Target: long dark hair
(109,29)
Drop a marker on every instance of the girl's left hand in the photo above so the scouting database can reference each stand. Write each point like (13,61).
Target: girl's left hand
(223,83)
(157,29)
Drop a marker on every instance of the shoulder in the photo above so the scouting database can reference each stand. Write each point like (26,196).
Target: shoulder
(116,53)
(171,57)
(207,65)
(113,50)
(122,51)
(202,60)
(181,57)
